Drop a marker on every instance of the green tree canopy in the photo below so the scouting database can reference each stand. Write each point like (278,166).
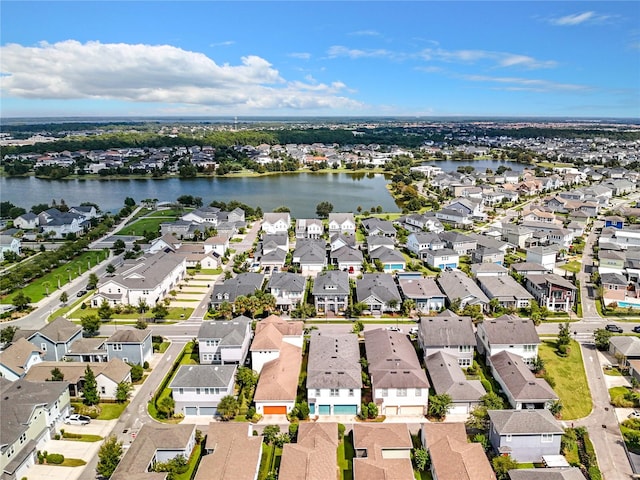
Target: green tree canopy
(228,407)
(90,395)
(109,456)
(90,325)
(323,209)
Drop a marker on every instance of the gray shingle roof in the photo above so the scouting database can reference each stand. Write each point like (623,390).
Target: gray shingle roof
(458,285)
(447,377)
(381,285)
(572,473)
(244,284)
(522,422)
(510,330)
(230,333)
(144,272)
(419,288)
(202,376)
(129,336)
(290,282)
(518,379)
(333,282)
(504,287)
(613,279)
(60,330)
(334,361)
(445,330)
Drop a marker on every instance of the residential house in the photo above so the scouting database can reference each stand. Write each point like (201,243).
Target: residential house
(443,259)
(334,374)
(271,333)
(390,259)
(31,414)
(545,256)
(309,228)
(347,259)
(611,261)
(450,334)
(339,240)
(426,222)
(460,243)
(379,292)
(452,456)
(627,348)
(552,291)
(488,270)
(613,221)
(516,234)
(424,291)
(273,223)
(27,221)
(459,287)
(310,255)
(525,435)
(510,333)
(487,255)
(218,244)
(447,377)
(467,206)
(376,226)
(17,359)
(9,244)
(108,375)
(230,452)
(331,291)
(344,223)
(521,387)
(507,290)
(271,251)
(529,268)
(55,338)
(288,289)
(313,456)
(155,443)
(132,346)
(614,286)
(197,389)
(224,342)
(147,279)
(382,451)
(419,242)
(278,383)
(454,217)
(87,350)
(553,473)
(399,385)
(245,284)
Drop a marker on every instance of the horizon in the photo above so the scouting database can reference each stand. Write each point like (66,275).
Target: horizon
(430,59)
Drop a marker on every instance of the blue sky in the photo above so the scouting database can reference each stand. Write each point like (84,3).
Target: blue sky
(504,58)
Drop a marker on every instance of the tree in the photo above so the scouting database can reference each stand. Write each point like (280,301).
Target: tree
(160,311)
(420,459)
(225,310)
(454,305)
(7,334)
(492,401)
(502,464)
(109,456)
(166,406)
(46,286)
(90,325)
(64,297)
(602,337)
(104,311)
(408,305)
(90,395)
(118,246)
(129,202)
(439,405)
(564,334)
(92,282)
(246,377)
(358,326)
(123,391)
(372,410)
(142,305)
(228,407)
(110,269)
(270,433)
(21,301)
(323,209)
(137,372)
(57,375)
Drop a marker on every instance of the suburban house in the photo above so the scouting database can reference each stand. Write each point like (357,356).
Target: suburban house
(510,333)
(231,452)
(611,261)
(545,256)
(426,222)
(9,244)
(379,292)
(26,221)
(390,259)
(453,457)
(444,258)
(552,291)
(488,270)
(522,388)
(529,268)
(526,435)
(342,223)
(55,338)
(309,228)
(87,350)
(376,226)
(132,346)
(271,251)
(348,259)
(448,333)
(424,291)
(375,242)
(17,359)
(419,242)
(507,290)
(218,244)
(245,284)
(310,255)
(458,286)
(276,222)
(399,385)
(270,335)
(487,255)
(224,342)
(288,289)
(625,347)
(382,451)
(516,234)
(146,279)
(334,374)
(155,443)
(553,473)
(448,378)
(278,383)
(331,291)
(108,375)
(313,456)
(31,415)
(613,221)
(197,389)
(614,286)
(458,242)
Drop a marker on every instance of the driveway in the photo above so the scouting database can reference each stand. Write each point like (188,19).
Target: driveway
(96,427)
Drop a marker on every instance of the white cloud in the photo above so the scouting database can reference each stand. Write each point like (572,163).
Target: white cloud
(365,33)
(226,43)
(300,55)
(578,19)
(341,51)
(528,84)
(155,73)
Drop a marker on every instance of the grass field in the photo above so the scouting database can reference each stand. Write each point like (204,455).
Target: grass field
(345,458)
(571,380)
(72,462)
(145,224)
(573,266)
(81,437)
(174,314)
(111,411)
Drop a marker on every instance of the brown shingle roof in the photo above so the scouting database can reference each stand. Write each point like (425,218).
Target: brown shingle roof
(115,369)
(269,332)
(279,378)
(314,457)
(15,356)
(375,439)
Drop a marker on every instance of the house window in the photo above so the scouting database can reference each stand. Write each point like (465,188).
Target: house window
(181,391)
(334,392)
(529,348)
(418,392)
(546,438)
(117,347)
(23,437)
(508,438)
(43,347)
(402,392)
(384,392)
(351,392)
(197,391)
(464,348)
(464,362)
(317,392)
(103,390)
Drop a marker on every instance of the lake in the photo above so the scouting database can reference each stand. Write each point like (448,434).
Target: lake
(479,165)
(301,192)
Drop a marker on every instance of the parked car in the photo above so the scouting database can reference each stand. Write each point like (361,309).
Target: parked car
(77,419)
(613,328)
(636,329)
(413,331)
(634,414)
(81,293)
(394,329)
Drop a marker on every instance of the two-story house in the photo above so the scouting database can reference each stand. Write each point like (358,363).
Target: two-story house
(17,359)
(342,223)
(382,451)
(376,226)
(552,291)
(55,338)
(510,333)
(197,389)
(424,291)
(448,333)
(287,288)
(379,292)
(331,291)
(508,292)
(309,228)
(132,346)
(270,335)
(310,255)
(276,222)
(459,287)
(313,456)
(334,374)
(224,342)
(399,385)
(277,387)
(245,284)
(458,242)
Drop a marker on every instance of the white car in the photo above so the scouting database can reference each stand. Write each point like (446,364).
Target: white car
(77,419)
(634,414)
(394,329)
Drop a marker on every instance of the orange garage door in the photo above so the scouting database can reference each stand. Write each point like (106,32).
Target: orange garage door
(275,410)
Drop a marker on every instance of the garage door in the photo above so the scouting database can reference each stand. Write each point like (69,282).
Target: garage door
(397,266)
(275,410)
(208,411)
(391,410)
(459,409)
(190,410)
(412,410)
(345,409)
(324,409)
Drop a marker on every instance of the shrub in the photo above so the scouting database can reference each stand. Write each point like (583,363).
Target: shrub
(562,350)
(364,411)
(594,473)
(251,412)
(293,430)
(55,458)
(145,365)
(137,372)
(486,384)
(56,436)
(341,430)
(373,410)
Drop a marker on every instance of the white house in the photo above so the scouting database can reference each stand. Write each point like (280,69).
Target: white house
(197,389)
(545,256)
(508,333)
(17,359)
(224,342)
(9,244)
(276,222)
(269,337)
(342,223)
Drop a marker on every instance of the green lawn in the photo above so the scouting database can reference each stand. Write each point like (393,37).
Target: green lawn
(271,457)
(146,224)
(175,313)
(345,458)
(81,437)
(72,462)
(111,411)
(194,460)
(37,290)
(573,266)
(618,397)
(571,380)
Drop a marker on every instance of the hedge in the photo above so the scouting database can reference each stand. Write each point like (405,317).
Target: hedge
(55,458)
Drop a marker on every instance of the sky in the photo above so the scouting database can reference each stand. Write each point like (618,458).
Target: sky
(320,58)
